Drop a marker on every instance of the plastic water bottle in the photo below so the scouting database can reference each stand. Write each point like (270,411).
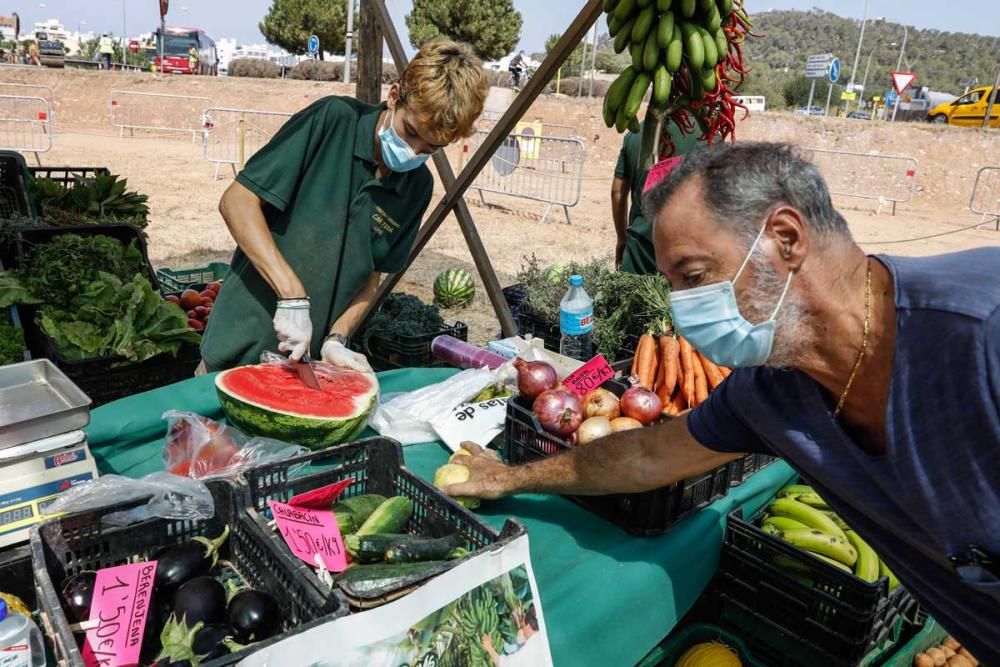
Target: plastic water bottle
(576,321)
(20,640)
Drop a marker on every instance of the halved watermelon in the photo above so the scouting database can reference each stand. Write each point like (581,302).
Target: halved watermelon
(270,400)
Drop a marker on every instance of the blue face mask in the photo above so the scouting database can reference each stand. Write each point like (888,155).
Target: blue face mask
(396,153)
(709,318)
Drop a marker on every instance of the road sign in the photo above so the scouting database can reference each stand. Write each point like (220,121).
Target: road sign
(818,65)
(848,97)
(902,80)
(133,46)
(313,45)
(819,58)
(834,70)
(890,98)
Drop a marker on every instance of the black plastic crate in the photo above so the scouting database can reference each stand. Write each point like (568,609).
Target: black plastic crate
(388,353)
(14,199)
(647,513)
(819,604)
(15,575)
(77,542)
(376,466)
(68,176)
(744,467)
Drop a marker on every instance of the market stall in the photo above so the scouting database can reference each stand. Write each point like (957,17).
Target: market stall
(591,574)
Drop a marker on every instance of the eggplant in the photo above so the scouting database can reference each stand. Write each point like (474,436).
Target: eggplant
(214,641)
(201,600)
(155,618)
(253,616)
(179,564)
(78,593)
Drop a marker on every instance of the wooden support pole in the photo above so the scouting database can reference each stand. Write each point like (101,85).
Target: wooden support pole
(455,187)
(369,87)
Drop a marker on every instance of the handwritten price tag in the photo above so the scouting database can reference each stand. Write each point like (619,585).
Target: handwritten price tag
(309,532)
(118,614)
(589,377)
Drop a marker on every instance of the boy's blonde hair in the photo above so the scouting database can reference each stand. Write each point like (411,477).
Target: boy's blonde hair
(445,87)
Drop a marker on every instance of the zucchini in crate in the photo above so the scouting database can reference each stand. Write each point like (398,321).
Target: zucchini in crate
(352,512)
(390,517)
(360,580)
(400,548)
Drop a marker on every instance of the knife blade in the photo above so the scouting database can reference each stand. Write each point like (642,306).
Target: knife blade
(305,371)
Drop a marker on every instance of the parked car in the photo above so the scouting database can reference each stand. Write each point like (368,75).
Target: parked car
(969,110)
(810,111)
(51,53)
(860,115)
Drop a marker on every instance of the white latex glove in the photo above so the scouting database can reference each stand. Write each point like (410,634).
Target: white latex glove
(335,353)
(293,327)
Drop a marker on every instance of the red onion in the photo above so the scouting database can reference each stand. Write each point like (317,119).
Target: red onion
(642,405)
(534,377)
(601,403)
(558,412)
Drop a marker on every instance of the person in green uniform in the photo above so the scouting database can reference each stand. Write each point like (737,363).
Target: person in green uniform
(634,251)
(331,202)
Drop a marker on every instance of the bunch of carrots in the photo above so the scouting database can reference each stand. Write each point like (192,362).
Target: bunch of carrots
(680,375)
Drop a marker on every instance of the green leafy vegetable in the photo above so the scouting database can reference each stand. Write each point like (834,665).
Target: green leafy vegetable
(99,199)
(11,341)
(404,314)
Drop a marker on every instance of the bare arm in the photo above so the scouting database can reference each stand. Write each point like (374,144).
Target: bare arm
(619,213)
(626,462)
(242,210)
(351,318)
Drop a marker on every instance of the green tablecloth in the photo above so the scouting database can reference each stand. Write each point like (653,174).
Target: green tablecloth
(608,597)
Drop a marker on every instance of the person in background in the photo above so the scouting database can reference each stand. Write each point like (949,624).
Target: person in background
(34,57)
(193,60)
(106,47)
(333,201)
(517,68)
(634,249)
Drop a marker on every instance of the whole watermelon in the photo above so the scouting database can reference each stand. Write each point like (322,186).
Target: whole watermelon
(454,288)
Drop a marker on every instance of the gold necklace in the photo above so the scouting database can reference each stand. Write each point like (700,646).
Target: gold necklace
(864,342)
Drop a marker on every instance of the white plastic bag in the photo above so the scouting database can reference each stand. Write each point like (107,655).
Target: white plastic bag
(410,418)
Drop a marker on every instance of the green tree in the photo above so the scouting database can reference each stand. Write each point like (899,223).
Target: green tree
(573,65)
(491,27)
(289,23)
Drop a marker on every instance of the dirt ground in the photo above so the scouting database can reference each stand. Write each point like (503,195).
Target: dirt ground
(187,230)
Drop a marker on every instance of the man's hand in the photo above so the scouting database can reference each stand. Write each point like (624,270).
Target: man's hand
(334,352)
(619,253)
(488,477)
(293,327)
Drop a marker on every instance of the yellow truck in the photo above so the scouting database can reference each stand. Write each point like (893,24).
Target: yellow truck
(969,110)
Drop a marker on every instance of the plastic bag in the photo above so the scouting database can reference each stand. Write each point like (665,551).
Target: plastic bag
(411,418)
(173,497)
(201,448)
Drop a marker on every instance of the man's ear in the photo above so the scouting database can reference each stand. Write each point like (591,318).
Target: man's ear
(789,233)
(392,98)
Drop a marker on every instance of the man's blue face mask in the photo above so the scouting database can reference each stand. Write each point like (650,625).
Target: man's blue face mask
(397,155)
(709,318)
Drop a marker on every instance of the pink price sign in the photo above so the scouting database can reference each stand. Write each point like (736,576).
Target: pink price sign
(309,532)
(589,377)
(118,615)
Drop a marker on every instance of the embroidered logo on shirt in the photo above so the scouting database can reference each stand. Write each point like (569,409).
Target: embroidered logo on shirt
(383,223)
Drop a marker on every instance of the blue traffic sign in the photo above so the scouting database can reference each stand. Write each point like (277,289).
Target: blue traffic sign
(890,98)
(834,70)
(313,45)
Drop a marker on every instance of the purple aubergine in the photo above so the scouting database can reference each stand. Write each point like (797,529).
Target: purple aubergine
(179,564)
(210,642)
(78,593)
(253,616)
(201,600)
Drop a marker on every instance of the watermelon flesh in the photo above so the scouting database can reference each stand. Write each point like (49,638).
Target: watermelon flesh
(270,400)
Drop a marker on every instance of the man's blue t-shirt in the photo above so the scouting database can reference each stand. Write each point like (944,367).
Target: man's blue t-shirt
(936,490)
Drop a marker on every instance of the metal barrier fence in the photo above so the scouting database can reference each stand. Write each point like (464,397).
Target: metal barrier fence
(879,176)
(156,112)
(985,198)
(540,168)
(25,124)
(231,136)
(31,90)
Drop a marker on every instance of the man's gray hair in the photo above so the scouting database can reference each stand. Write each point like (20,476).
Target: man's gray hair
(743,182)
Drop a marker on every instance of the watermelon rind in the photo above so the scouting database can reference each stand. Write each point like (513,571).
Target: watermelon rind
(311,432)
(454,288)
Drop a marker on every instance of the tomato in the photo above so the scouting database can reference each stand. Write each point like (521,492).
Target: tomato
(206,301)
(190,299)
(201,311)
(197,325)
(173,298)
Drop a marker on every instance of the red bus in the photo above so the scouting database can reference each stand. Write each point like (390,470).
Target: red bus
(177,45)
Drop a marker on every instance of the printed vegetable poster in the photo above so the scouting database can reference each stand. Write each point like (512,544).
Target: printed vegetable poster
(483,613)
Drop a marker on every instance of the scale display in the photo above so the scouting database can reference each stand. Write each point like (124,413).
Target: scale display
(16,515)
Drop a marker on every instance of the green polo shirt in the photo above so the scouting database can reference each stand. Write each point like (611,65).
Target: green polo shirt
(639,256)
(332,219)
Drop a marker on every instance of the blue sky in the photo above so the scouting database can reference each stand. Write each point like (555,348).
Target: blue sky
(239,18)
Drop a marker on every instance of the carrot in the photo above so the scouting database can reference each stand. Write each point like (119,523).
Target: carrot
(669,360)
(700,381)
(712,372)
(635,360)
(646,368)
(676,405)
(687,368)
(659,373)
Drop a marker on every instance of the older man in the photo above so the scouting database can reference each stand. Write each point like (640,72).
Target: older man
(877,378)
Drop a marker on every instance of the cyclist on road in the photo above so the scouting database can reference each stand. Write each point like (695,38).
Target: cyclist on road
(517,68)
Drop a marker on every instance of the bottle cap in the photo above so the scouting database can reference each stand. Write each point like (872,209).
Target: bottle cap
(576,281)
(3,610)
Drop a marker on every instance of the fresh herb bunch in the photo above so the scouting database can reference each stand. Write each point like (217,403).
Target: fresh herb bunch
(11,340)
(101,199)
(625,304)
(404,315)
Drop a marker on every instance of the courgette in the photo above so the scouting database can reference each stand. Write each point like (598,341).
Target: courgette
(371,548)
(367,580)
(390,517)
(425,549)
(352,512)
